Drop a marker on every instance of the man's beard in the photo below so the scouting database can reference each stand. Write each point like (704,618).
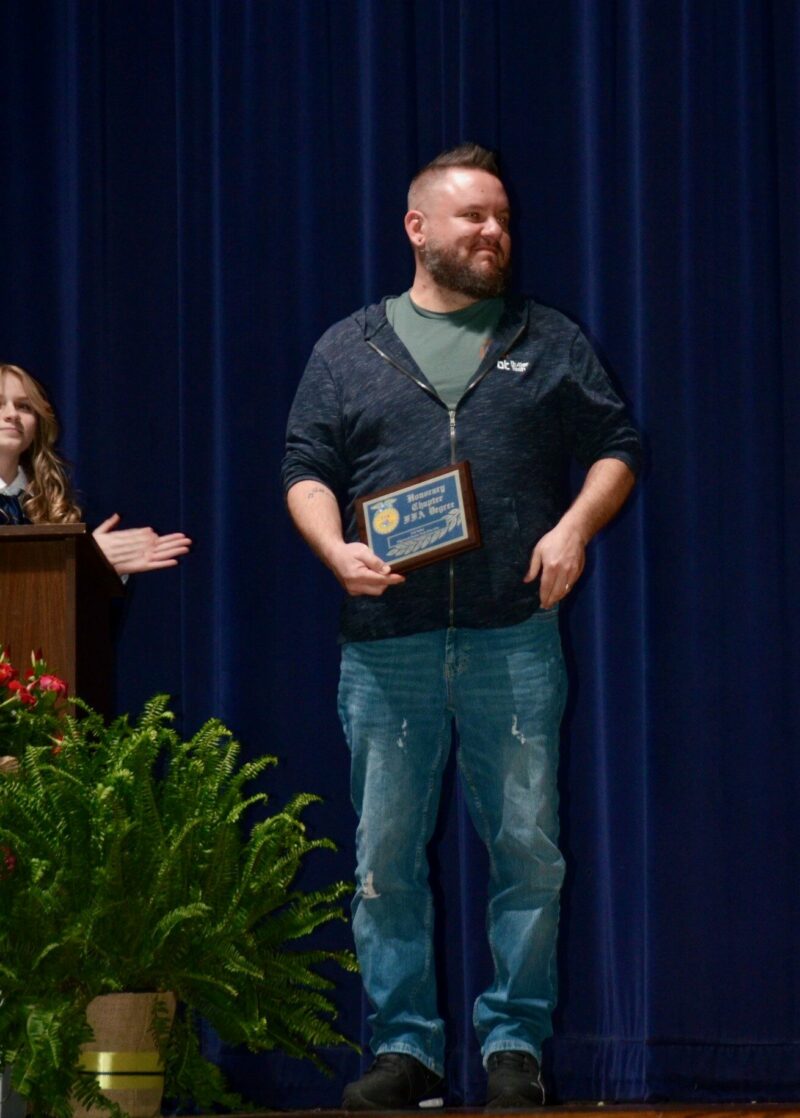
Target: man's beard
(449,270)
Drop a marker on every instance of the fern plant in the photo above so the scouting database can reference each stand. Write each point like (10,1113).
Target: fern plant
(126,863)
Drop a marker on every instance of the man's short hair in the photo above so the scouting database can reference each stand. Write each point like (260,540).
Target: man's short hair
(468,155)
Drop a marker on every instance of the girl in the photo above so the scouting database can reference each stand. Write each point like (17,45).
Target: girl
(35,487)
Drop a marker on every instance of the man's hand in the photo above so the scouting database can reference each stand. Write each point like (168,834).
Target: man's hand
(560,554)
(134,550)
(559,557)
(315,512)
(360,571)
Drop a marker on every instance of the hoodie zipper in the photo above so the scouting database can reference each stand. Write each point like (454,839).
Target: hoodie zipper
(452,416)
(453,460)
(425,387)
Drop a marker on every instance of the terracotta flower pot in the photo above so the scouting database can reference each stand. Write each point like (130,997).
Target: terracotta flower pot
(123,1054)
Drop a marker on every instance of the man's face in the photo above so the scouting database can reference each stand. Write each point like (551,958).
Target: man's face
(465,243)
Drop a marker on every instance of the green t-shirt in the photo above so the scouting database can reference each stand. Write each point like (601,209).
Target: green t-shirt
(449,346)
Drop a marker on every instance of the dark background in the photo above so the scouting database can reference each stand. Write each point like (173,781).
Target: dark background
(192,191)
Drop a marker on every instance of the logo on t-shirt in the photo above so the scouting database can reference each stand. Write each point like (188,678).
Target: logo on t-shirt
(513,366)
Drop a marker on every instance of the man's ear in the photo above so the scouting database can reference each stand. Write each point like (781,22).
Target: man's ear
(415,227)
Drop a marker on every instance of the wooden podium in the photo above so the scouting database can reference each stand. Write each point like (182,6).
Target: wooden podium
(56,588)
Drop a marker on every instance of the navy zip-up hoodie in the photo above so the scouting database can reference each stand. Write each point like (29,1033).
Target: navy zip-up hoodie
(365,417)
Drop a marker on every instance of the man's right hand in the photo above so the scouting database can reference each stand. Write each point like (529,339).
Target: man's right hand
(315,511)
(360,571)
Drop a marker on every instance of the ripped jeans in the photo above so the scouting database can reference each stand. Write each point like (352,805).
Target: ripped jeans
(505,689)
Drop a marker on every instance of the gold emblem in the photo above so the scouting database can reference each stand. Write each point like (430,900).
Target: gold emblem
(385,519)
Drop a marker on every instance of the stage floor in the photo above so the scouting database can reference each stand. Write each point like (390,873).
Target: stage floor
(588,1110)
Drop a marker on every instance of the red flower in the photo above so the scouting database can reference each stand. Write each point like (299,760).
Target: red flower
(8,861)
(22,693)
(52,683)
(7,672)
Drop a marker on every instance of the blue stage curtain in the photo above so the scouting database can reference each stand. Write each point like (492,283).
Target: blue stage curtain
(192,191)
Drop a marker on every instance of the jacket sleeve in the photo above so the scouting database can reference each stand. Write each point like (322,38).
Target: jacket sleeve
(596,422)
(314,433)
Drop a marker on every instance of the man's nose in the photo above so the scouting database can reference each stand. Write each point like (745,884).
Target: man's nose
(492,228)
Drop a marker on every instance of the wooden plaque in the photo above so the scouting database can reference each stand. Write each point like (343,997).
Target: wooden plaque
(422,520)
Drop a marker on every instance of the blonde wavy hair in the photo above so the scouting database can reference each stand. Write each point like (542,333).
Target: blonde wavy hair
(49,498)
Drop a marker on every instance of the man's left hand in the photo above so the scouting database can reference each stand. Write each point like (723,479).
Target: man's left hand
(559,558)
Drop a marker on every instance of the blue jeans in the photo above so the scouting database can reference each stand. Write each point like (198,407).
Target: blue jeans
(505,689)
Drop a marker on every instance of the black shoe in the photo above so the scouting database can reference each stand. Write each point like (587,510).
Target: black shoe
(394,1082)
(515,1082)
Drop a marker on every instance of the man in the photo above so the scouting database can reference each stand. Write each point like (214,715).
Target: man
(454,370)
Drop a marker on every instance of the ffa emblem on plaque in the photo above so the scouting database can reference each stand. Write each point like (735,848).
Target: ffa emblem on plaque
(385,518)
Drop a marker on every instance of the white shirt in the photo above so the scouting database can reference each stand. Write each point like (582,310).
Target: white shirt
(15,487)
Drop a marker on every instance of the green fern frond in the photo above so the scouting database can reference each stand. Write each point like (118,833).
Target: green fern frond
(174,919)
